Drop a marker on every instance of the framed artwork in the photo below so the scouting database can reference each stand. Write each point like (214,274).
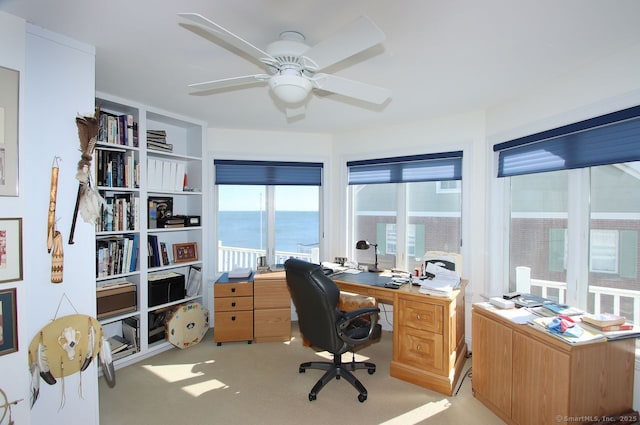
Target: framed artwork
(9,83)
(8,322)
(10,249)
(183,252)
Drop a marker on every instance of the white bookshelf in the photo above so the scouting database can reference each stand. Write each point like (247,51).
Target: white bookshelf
(187,136)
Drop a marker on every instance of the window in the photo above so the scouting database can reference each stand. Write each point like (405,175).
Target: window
(575,212)
(407,205)
(277,220)
(603,251)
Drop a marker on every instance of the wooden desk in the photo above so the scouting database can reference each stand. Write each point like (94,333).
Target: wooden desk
(526,376)
(428,332)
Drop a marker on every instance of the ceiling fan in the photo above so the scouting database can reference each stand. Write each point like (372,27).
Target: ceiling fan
(293,66)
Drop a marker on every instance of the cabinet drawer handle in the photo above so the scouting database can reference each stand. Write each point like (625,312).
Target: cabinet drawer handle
(233,289)
(418,316)
(233,304)
(418,348)
(233,318)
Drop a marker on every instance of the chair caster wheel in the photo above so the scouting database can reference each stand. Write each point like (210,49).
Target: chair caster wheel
(362,398)
(312,396)
(371,371)
(301,370)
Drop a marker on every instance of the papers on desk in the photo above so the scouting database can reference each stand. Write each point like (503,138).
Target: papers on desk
(442,284)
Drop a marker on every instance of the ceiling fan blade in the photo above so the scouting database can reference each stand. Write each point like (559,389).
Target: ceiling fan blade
(229,82)
(351,88)
(230,38)
(354,38)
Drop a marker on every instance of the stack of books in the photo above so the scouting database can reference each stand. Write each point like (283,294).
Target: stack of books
(157,140)
(611,326)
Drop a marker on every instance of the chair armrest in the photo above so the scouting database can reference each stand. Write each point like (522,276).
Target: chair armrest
(348,319)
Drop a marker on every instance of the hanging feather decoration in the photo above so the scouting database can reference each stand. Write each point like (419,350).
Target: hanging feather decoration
(43,364)
(88,200)
(90,347)
(35,381)
(108,371)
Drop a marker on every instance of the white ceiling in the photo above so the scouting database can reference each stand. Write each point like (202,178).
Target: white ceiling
(440,57)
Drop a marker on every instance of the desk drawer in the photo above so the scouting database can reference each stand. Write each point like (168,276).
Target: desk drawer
(422,350)
(232,304)
(272,325)
(421,316)
(236,289)
(233,326)
(271,294)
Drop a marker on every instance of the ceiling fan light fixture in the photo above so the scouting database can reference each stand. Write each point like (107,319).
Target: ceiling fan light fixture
(290,88)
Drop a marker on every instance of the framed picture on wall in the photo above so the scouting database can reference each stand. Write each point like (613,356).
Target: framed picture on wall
(8,322)
(10,249)
(9,83)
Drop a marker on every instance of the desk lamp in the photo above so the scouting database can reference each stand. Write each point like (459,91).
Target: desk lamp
(366,245)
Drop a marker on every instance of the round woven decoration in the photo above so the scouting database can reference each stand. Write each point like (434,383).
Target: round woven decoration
(187,324)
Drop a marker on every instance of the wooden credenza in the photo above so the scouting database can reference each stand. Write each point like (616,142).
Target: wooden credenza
(526,376)
(233,310)
(272,307)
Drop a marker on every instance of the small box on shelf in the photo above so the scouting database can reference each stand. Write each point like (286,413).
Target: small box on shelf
(116,298)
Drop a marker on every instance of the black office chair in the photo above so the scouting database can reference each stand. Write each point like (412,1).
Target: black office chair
(327,328)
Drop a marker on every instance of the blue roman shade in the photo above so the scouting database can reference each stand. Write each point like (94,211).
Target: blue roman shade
(608,139)
(404,169)
(268,173)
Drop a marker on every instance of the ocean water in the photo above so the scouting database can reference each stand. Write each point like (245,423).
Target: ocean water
(296,231)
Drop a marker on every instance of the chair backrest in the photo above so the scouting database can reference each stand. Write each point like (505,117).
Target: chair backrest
(315,297)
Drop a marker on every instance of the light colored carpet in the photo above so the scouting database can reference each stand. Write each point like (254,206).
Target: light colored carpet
(244,383)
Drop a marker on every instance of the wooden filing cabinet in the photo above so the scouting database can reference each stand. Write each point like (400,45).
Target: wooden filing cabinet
(272,307)
(233,310)
(527,376)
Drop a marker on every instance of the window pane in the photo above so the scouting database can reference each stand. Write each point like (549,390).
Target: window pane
(538,229)
(241,226)
(434,219)
(614,227)
(374,211)
(297,216)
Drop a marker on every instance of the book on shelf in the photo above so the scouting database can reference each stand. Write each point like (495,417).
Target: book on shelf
(160,209)
(194,281)
(581,335)
(165,175)
(603,319)
(130,333)
(164,253)
(117,129)
(117,343)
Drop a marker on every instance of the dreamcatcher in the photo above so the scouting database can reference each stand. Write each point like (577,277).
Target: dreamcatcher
(88,200)
(65,346)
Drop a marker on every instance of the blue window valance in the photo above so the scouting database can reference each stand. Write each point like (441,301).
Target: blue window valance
(239,172)
(608,139)
(404,169)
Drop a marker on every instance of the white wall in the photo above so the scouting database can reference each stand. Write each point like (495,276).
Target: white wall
(14,366)
(57,83)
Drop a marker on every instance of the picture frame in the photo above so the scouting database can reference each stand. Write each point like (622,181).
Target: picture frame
(10,249)
(185,252)
(8,322)
(9,98)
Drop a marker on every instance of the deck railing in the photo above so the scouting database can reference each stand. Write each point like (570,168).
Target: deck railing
(524,284)
(230,257)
